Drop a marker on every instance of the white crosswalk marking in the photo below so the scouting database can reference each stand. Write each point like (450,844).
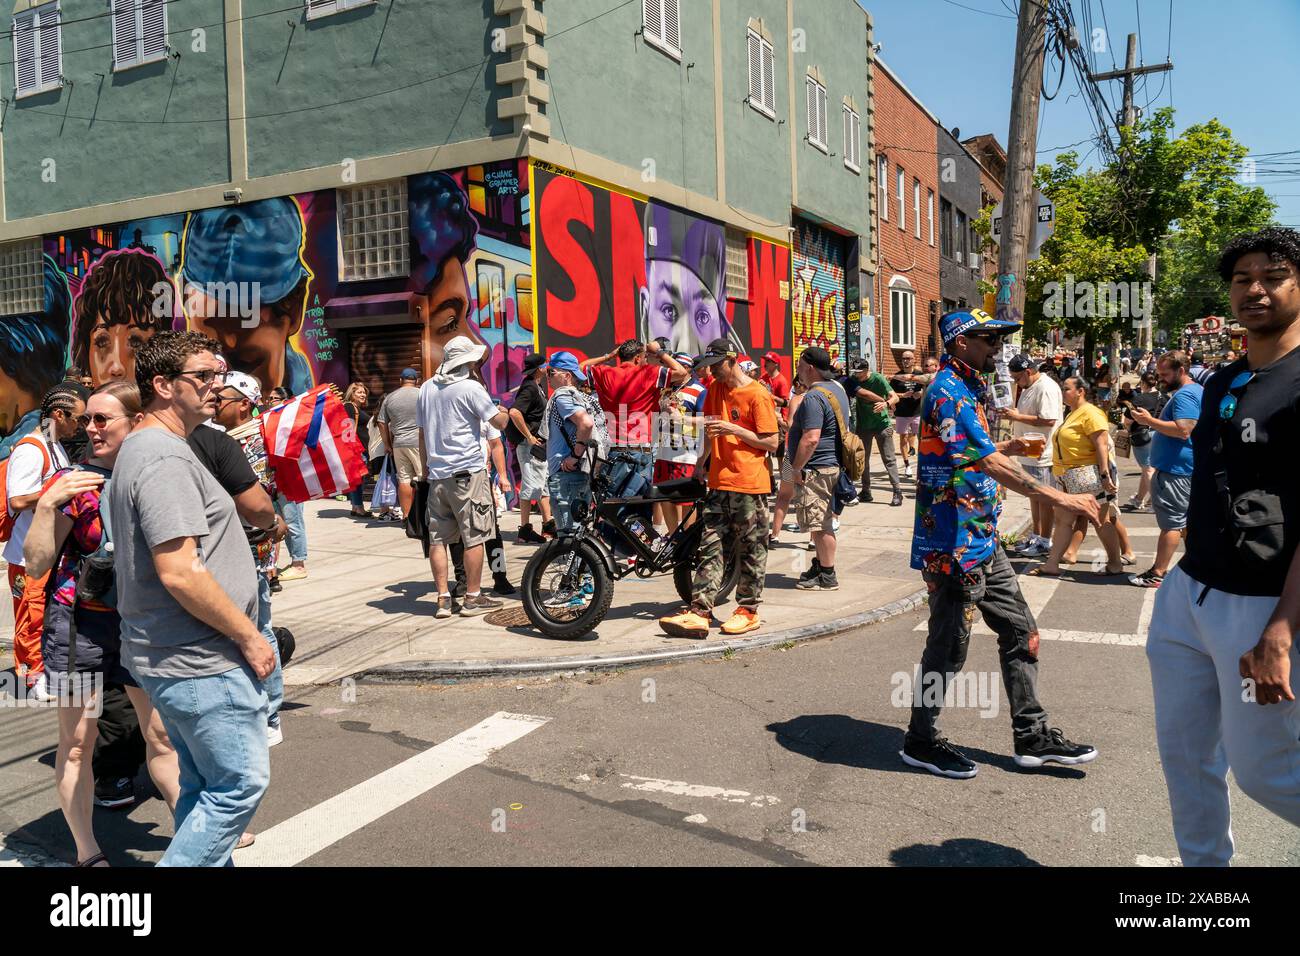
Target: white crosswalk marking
(306,834)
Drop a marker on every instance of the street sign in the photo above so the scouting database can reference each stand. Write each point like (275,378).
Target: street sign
(1044,223)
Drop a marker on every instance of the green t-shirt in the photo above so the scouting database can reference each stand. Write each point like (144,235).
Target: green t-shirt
(866,417)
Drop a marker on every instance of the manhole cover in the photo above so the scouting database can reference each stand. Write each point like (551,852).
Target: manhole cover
(509,617)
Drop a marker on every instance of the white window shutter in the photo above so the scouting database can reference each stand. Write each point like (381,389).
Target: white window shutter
(857,140)
(25,78)
(652,19)
(672,24)
(812,109)
(755,69)
(769,81)
(51,48)
(153,23)
(125,47)
(822,117)
(321,8)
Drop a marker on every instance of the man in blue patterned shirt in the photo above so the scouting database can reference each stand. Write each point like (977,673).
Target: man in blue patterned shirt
(955,546)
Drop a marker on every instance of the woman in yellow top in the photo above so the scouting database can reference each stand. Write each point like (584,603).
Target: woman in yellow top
(1081,463)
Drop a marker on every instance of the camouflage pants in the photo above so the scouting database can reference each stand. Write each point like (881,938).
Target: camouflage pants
(734,523)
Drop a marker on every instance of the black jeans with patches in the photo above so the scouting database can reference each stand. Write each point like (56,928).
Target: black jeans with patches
(991,589)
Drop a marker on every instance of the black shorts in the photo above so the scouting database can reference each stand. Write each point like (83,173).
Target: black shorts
(99,643)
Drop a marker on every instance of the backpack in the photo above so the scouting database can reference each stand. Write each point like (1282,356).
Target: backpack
(590,404)
(7,519)
(96,578)
(852,452)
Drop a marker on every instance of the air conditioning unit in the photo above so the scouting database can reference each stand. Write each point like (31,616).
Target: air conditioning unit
(957,255)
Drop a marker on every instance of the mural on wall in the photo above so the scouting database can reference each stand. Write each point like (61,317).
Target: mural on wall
(819,290)
(611,267)
(33,355)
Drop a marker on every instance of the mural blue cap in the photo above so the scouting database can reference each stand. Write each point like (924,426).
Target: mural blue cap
(256,242)
(954,324)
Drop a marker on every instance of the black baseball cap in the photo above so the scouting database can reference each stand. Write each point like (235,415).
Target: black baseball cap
(1019,364)
(817,357)
(533,361)
(715,352)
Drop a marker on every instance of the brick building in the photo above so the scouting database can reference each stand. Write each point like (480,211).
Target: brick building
(906,209)
(992,159)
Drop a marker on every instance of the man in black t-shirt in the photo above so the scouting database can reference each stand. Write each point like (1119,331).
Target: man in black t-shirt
(909,384)
(529,440)
(1222,643)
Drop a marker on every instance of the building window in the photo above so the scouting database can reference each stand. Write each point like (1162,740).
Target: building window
(38,50)
(139,32)
(963,238)
(852,139)
(902,199)
(374,242)
(929,213)
(973,260)
(882,180)
(902,314)
(661,25)
(22,278)
(762,92)
(737,265)
(817,134)
(323,8)
(945,228)
(916,206)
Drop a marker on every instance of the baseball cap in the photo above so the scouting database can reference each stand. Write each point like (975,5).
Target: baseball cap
(715,352)
(257,242)
(954,324)
(685,359)
(566,362)
(772,357)
(533,361)
(245,385)
(1019,364)
(462,350)
(817,357)
(410,373)
(748,365)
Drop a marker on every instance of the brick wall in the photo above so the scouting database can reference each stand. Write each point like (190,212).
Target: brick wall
(906,136)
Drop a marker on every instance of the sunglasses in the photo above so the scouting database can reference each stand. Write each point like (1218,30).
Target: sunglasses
(205,376)
(101,421)
(1228,404)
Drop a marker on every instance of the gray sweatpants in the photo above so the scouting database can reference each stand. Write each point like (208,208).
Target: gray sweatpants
(1203,725)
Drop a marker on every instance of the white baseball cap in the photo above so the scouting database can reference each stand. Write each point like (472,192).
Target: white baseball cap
(245,385)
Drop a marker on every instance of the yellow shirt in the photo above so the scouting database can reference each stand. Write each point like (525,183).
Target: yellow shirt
(1072,444)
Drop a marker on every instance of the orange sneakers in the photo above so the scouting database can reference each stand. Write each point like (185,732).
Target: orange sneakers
(742,621)
(685,623)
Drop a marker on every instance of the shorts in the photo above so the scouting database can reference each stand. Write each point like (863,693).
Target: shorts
(1041,474)
(461,509)
(1170,495)
(99,643)
(532,474)
(907,424)
(673,470)
(1142,454)
(812,501)
(410,468)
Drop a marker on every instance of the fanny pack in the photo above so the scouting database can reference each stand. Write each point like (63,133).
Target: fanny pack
(1084,480)
(1252,523)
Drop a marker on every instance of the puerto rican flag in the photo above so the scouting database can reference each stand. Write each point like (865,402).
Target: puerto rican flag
(312,446)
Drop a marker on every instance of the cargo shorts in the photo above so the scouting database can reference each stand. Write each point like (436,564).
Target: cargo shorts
(812,502)
(461,508)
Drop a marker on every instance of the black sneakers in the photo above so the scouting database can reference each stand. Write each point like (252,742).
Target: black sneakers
(812,572)
(114,793)
(1052,747)
(823,580)
(940,758)
(897,501)
(527,534)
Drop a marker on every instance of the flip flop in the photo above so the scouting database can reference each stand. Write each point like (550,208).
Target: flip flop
(246,839)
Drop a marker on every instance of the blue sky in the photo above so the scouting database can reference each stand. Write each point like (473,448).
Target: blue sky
(1237,61)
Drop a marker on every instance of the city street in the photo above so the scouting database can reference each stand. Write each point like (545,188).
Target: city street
(782,756)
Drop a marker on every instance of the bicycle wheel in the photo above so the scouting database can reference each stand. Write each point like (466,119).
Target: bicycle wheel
(684,575)
(566,588)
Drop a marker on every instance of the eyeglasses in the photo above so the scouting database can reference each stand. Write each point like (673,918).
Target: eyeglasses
(101,421)
(1228,404)
(205,376)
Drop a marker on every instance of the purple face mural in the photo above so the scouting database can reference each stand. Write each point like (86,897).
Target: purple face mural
(685,265)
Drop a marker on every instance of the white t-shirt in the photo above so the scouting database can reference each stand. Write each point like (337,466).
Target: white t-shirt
(26,475)
(1042,400)
(452,418)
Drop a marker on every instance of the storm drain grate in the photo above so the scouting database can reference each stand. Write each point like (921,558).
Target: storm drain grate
(509,617)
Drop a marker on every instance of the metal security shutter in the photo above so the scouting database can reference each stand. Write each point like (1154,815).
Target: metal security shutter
(376,357)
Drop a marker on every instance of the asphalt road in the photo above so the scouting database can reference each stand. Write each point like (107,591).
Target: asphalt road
(787,757)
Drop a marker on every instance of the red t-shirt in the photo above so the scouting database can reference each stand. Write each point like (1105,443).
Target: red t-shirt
(780,388)
(629,394)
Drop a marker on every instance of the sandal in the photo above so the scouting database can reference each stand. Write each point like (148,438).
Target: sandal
(246,839)
(95,860)
(1038,572)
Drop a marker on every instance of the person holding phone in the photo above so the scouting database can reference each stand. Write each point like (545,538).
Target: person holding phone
(1147,398)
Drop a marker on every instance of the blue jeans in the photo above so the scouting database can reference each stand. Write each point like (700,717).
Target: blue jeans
(291,511)
(565,488)
(218,727)
(274,682)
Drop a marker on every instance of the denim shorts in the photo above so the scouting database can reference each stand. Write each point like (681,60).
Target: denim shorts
(1170,495)
(1142,454)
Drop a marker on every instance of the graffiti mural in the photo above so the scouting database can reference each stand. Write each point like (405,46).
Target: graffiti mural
(611,267)
(819,290)
(33,355)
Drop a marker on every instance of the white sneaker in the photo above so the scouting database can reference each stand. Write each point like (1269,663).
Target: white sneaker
(40,690)
(907,469)
(274,735)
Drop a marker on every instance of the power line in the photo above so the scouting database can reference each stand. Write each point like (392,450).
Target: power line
(1142,57)
(987,13)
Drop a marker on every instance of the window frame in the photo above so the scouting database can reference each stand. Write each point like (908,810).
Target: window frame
(766,103)
(916,205)
(815,107)
(929,212)
(945,228)
(35,17)
(900,291)
(660,40)
(882,174)
(320,10)
(901,181)
(137,8)
(852,140)
(351,264)
(736,242)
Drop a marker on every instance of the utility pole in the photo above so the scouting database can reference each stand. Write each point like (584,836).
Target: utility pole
(1128,119)
(1018,206)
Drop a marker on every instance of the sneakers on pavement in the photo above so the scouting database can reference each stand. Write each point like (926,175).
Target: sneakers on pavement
(1147,579)
(866,496)
(742,621)
(940,758)
(1052,747)
(813,571)
(501,585)
(824,581)
(293,573)
(274,734)
(897,500)
(907,469)
(1035,548)
(444,607)
(527,534)
(686,623)
(477,604)
(114,793)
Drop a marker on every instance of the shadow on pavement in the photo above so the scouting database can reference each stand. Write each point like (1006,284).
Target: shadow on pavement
(960,852)
(115,830)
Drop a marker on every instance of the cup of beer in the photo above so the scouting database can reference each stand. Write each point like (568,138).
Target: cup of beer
(1035,444)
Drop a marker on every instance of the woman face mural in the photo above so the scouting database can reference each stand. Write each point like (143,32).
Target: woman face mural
(125,298)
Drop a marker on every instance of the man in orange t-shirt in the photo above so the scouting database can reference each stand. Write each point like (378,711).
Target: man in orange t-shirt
(740,424)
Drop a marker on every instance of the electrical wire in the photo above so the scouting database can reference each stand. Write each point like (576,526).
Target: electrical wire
(987,13)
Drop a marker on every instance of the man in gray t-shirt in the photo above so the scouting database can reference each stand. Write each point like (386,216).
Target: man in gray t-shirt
(399,423)
(187,594)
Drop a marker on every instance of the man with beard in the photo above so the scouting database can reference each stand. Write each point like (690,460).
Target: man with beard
(955,546)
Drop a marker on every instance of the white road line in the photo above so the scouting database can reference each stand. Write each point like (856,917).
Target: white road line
(1144,616)
(1092,637)
(1037,592)
(306,834)
(1157,861)
(681,788)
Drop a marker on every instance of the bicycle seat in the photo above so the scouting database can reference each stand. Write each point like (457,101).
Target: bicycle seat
(679,489)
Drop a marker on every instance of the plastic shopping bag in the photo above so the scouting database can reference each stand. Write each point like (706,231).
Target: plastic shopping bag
(385,495)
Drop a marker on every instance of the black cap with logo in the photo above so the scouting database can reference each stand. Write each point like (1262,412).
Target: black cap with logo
(715,352)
